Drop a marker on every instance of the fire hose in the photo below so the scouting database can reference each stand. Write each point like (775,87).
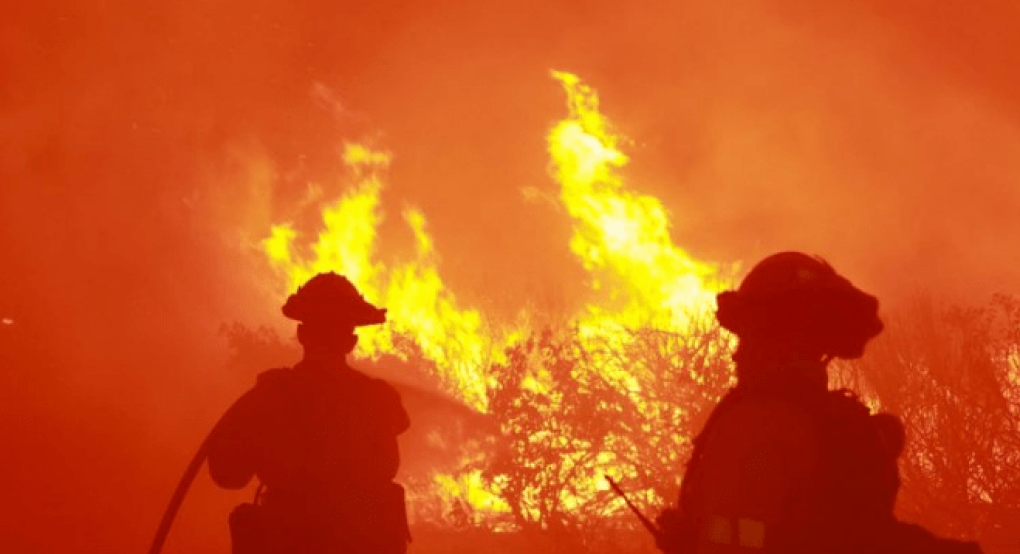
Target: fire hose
(181,491)
(178,498)
(652,527)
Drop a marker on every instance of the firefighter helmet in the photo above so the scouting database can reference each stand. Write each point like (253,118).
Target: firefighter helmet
(329,297)
(793,293)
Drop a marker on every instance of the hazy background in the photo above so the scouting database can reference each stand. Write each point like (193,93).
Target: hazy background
(146,147)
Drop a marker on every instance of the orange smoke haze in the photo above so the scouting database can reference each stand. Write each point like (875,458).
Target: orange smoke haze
(147,148)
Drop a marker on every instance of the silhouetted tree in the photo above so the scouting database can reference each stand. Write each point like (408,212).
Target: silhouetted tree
(569,404)
(952,374)
(574,404)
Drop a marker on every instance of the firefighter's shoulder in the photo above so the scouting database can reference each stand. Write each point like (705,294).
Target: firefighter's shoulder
(275,378)
(233,444)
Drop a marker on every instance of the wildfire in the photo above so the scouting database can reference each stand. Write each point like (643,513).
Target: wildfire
(620,236)
(638,279)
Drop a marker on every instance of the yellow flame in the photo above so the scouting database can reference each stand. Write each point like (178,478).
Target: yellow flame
(639,277)
(621,237)
(346,243)
(420,306)
(471,489)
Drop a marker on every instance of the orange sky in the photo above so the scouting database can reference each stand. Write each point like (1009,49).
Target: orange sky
(881,135)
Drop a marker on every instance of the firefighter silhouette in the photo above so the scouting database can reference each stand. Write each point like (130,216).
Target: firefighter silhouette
(320,437)
(783,464)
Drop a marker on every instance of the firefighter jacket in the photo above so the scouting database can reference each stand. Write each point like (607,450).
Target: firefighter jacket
(323,444)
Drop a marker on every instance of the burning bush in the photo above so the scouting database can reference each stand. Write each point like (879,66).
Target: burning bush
(573,409)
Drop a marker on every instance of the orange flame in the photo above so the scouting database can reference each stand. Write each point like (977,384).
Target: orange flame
(638,277)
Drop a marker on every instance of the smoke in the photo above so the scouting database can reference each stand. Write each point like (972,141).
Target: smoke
(146,148)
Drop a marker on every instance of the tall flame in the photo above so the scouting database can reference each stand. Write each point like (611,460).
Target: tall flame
(642,279)
(621,237)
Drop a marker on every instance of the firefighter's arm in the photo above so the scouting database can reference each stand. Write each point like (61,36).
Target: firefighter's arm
(393,422)
(232,443)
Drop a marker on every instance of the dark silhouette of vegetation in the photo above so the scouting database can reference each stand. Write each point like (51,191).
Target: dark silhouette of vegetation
(573,407)
(952,374)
